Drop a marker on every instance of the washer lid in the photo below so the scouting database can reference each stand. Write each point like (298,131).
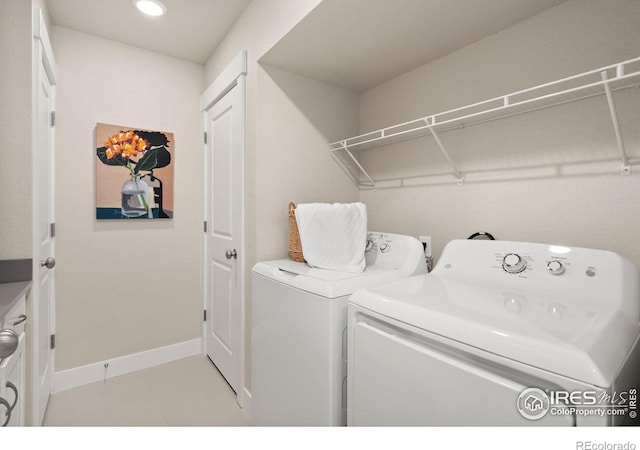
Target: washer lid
(327,283)
(582,338)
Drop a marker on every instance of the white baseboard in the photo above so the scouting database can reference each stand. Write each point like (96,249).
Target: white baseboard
(79,376)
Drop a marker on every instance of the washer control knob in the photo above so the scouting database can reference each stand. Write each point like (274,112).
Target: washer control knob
(555,267)
(369,245)
(384,248)
(513,263)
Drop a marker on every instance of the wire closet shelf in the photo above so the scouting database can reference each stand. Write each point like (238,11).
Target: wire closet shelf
(602,81)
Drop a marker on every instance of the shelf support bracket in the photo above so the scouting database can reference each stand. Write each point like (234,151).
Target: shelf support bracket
(456,172)
(626,168)
(346,149)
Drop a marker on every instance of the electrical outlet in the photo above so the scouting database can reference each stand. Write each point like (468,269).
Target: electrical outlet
(426,244)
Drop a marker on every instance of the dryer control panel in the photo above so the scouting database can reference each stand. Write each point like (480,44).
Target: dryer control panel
(532,267)
(554,264)
(552,260)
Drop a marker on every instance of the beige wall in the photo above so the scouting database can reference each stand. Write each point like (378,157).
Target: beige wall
(290,121)
(297,119)
(124,286)
(556,203)
(16,221)
(259,27)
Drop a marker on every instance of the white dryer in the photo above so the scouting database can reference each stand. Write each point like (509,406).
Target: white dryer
(500,333)
(298,343)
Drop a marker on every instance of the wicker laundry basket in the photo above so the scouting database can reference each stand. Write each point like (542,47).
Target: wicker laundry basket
(295,247)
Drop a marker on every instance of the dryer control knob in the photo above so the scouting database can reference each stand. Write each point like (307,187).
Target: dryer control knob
(513,263)
(555,267)
(384,248)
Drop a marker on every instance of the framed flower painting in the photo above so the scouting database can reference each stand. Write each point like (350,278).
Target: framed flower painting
(134,173)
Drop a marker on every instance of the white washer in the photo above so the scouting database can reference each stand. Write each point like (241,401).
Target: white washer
(460,345)
(299,331)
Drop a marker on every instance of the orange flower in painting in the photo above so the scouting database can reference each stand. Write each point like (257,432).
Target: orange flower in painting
(128,144)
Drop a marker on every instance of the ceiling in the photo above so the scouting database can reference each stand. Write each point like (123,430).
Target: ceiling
(359,44)
(356,44)
(191,29)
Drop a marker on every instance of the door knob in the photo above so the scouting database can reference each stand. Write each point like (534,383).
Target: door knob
(8,342)
(231,254)
(49,263)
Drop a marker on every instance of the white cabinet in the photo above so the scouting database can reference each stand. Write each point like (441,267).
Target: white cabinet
(12,370)
(12,379)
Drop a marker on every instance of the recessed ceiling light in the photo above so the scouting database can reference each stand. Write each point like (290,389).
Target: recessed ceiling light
(150,7)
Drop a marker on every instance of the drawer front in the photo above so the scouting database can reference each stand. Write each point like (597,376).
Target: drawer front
(15,319)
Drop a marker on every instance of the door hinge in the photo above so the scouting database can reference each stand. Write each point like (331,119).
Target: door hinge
(205,315)
(205,226)
(52,229)
(205,137)
(53,341)
(53,118)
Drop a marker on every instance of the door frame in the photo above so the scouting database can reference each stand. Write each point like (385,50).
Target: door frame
(233,75)
(42,52)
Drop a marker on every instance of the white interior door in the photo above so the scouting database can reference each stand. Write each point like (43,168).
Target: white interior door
(223,268)
(43,293)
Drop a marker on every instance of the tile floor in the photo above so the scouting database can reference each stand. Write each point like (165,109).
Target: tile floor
(187,392)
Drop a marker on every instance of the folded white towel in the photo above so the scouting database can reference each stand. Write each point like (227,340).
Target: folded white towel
(333,236)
